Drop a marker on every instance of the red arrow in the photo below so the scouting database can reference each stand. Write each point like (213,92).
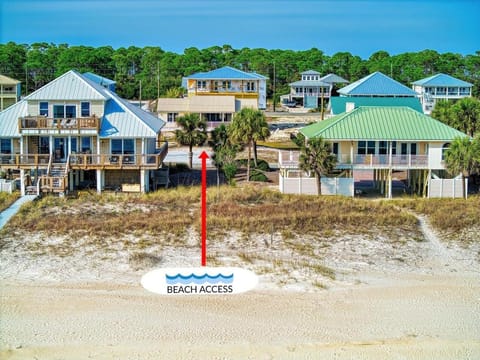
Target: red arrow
(204,156)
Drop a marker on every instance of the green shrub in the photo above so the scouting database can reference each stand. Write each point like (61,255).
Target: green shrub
(257,175)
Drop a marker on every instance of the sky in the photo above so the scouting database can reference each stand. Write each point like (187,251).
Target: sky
(360,27)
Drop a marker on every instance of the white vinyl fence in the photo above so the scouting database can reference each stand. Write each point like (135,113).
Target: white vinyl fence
(446,188)
(308,186)
(7,186)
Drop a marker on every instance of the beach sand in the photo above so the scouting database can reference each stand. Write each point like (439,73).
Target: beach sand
(405,300)
(396,317)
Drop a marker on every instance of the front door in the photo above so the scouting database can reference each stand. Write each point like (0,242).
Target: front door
(59,149)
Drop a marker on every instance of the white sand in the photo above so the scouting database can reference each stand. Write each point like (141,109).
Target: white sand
(423,305)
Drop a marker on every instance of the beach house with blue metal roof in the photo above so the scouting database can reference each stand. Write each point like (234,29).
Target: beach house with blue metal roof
(74,131)
(440,87)
(249,88)
(377,84)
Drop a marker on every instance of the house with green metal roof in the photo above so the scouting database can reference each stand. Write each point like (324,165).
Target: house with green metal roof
(383,140)
(313,90)
(249,88)
(74,131)
(440,87)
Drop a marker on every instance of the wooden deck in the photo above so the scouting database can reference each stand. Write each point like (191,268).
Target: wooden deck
(45,125)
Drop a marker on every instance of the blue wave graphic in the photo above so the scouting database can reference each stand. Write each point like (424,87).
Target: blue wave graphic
(199,279)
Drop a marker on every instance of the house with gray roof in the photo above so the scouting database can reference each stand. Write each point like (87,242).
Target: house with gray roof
(75,132)
(440,87)
(313,90)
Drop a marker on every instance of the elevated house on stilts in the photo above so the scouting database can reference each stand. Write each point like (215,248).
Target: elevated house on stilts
(392,142)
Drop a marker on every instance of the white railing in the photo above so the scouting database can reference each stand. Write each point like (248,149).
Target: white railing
(290,159)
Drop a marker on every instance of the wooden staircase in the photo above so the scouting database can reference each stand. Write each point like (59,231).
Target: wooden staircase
(56,180)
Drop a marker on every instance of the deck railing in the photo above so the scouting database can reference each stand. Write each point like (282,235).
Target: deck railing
(290,159)
(45,123)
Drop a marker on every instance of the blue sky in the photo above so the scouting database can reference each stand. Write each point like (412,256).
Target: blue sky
(360,27)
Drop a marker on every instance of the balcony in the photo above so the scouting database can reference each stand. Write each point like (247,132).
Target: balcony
(89,161)
(119,161)
(290,160)
(35,125)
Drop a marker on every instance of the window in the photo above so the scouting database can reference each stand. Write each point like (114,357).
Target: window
(452,91)
(371,147)
(58,111)
(394,148)
(413,149)
(123,146)
(86,144)
(73,145)
(464,91)
(335,148)
(382,148)
(44,145)
(250,86)
(404,149)
(201,84)
(441,91)
(5,146)
(445,147)
(129,146)
(362,148)
(70,111)
(85,109)
(171,117)
(43,111)
(366,147)
(227,85)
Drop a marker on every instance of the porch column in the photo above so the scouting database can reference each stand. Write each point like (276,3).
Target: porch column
(100,180)
(22,182)
(144,181)
(351,153)
(50,146)
(389,184)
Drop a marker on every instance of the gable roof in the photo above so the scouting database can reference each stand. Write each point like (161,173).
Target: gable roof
(382,123)
(376,84)
(338,103)
(310,83)
(226,73)
(9,119)
(120,118)
(333,78)
(123,119)
(310,72)
(5,80)
(442,80)
(70,86)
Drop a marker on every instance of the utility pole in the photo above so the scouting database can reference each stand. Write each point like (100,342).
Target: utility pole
(274,86)
(158,82)
(140,98)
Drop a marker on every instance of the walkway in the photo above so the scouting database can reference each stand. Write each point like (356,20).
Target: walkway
(6,214)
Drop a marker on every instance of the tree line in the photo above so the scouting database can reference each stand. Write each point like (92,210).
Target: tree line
(149,72)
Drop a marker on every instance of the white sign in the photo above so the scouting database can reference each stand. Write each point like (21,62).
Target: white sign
(199,281)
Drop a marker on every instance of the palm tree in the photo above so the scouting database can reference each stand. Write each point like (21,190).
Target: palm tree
(316,155)
(193,132)
(262,132)
(466,115)
(463,157)
(247,127)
